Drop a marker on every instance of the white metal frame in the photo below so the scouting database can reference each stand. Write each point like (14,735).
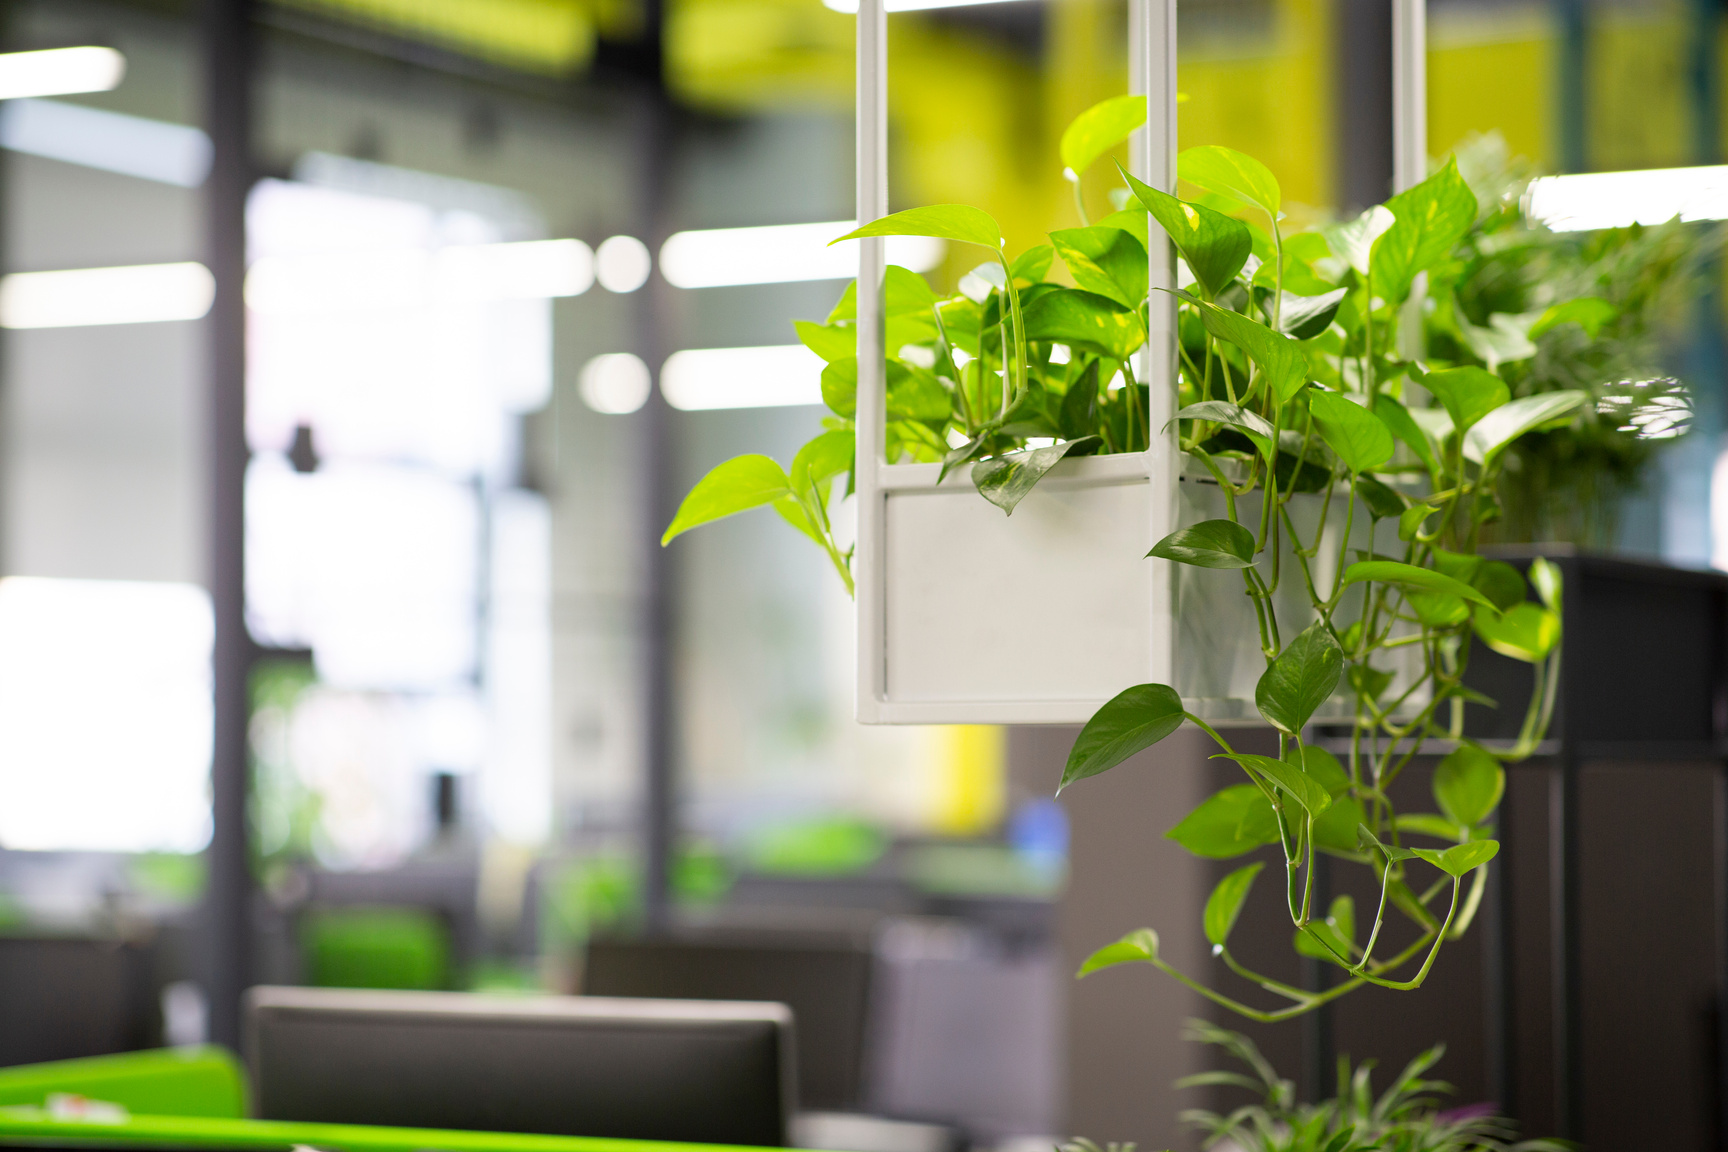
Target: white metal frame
(1152,71)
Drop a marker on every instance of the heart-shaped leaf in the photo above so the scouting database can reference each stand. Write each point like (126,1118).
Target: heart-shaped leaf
(960,222)
(1225,903)
(1214,245)
(1467,393)
(1209,544)
(1501,583)
(1430,824)
(1138,947)
(1302,788)
(1280,359)
(1413,579)
(1252,424)
(1099,129)
(1383,501)
(1227,172)
(1228,823)
(1300,679)
(1360,438)
(1460,858)
(1006,480)
(1431,219)
(1354,239)
(1305,317)
(741,483)
(1510,421)
(904,293)
(1106,261)
(1087,320)
(1132,720)
(1033,264)
(1468,784)
(1526,631)
(1397,418)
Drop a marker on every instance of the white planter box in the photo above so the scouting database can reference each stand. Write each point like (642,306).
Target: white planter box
(1043,616)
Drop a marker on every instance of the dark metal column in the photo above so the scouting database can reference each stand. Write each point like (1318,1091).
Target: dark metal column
(1498,977)
(1566,958)
(1364,103)
(1571,107)
(227,58)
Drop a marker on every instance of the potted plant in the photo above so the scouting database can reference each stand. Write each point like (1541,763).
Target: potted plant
(1336,486)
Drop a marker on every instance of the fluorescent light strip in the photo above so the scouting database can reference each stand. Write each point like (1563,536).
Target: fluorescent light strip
(130,145)
(701,379)
(416,277)
(59,71)
(779,254)
(1583,201)
(81,297)
(851,6)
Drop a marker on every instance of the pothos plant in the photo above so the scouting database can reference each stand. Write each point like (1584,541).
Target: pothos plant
(1298,384)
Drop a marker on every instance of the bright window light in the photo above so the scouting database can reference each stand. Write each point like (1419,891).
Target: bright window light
(79,297)
(623,264)
(415,277)
(59,71)
(771,377)
(130,145)
(780,253)
(616,383)
(105,715)
(1589,200)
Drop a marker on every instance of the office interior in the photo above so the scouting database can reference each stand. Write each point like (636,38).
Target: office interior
(339,649)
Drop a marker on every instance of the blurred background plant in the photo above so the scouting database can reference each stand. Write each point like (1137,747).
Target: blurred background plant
(1630,294)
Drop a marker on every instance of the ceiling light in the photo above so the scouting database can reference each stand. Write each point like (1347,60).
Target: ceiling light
(59,71)
(780,253)
(130,145)
(1582,201)
(704,378)
(139,294)
(616,383)
(414,277)
(622,264)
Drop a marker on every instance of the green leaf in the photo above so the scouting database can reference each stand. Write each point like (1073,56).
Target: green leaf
(904,293)
(1306,791)
(913,393)
(1033,264)
(1384,502)
(1322,766)
(1006,480)
(1338,930)
(1397,418)
(1368,840)
(1510,421)
(1107,261)
(840,387)
(1467,393)
(1226,172)
(1525,632)
(1501,583)
(1134,719)
(1438,610)
(1223,412)
(738,485)
(1335,829)
(827,456)
(1468,784)
(1545,578)
(1228,823)
(1460,858)
(1367,681)
(1214,245)
(1284,367)
(1300,679)
(1588,312)
(1305,317)
(1079,411)
(1429,824)
(1209,544)
(960,222)
(1354,239)
(1431,219)
(1099,129)
(1225,903)
(1413,579)
(1085,320)
(1138,947)
(830,341)
(1360,438)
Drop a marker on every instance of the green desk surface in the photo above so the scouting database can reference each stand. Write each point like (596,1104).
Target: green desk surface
(20,1125)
